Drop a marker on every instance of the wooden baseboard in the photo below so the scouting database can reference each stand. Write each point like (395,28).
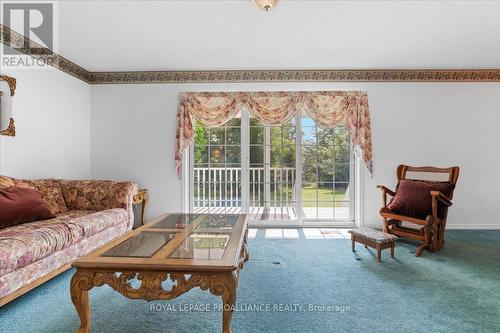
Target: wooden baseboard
(23,290)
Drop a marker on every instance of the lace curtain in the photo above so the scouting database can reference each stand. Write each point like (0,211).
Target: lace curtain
(327,108)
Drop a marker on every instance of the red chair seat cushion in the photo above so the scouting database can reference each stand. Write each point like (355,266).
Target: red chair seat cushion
(413,198)
(20,205)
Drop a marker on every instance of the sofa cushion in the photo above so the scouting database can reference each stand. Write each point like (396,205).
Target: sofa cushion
(49,189)
(51,192)
(413,198)
(20,205)
(96,194)
(18,278)
(11,182)
(26,243)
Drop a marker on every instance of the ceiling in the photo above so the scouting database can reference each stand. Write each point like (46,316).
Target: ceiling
(297,34)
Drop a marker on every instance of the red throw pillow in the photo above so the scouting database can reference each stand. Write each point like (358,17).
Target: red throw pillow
(20,205)
(413,198)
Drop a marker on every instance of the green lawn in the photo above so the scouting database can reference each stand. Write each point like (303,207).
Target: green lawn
(311,197)
(324,196)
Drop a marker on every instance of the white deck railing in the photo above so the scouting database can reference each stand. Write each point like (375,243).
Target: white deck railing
(221,187)
(271,195)
(217,187)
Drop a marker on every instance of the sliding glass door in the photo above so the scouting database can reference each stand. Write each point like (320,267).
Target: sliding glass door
(216,173)
(327,165)
(272,191)
(292,173)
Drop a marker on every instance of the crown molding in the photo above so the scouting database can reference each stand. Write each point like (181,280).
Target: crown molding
(26,46)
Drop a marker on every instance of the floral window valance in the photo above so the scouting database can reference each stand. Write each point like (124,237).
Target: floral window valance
(328,108)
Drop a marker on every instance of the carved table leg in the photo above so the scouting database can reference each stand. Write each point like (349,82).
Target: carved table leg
(145,201)
(225,286)
(229,299)
(245,246)
(81,283)
(244,251)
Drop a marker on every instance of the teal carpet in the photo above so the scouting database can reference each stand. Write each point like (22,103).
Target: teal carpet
(455,290)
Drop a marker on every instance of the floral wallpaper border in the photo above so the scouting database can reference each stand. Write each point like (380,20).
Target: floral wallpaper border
(403,75)
(9,37)
(299,76)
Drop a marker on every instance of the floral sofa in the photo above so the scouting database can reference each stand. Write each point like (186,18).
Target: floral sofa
(89,213)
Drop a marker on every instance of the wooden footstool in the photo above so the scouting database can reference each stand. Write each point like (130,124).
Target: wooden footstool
(373,238)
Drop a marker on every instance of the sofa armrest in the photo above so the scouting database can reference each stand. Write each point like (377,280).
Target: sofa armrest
(99,195)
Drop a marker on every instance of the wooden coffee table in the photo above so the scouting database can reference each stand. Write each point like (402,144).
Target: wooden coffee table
(190,250)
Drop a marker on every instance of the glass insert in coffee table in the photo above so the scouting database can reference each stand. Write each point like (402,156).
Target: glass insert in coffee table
(142,245)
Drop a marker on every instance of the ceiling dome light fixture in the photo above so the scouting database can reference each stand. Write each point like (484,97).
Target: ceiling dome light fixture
(266,5)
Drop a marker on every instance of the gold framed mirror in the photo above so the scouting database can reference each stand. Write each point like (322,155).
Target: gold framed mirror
(10,129)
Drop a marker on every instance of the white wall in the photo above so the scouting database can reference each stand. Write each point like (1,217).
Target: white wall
(52,114)
(68,129)
(442,124)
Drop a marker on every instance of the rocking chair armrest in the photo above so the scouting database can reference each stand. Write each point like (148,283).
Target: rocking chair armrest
(441,197)
(385,189)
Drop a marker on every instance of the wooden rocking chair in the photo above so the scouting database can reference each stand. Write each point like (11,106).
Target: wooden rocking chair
(430,230)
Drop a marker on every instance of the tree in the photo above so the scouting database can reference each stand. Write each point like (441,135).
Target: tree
(325,156)
(200,142)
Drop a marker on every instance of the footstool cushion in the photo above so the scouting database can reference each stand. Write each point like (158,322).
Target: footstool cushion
(374,235)
(374,238)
